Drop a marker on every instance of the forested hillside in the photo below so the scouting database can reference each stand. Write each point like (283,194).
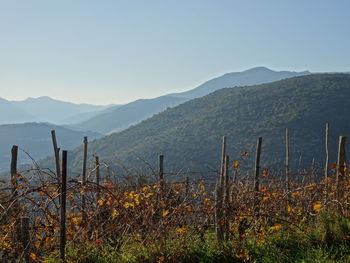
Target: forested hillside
(189,135)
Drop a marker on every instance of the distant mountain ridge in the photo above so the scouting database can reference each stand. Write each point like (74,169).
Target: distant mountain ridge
(134,112)
(35,138)
(253,76)
(46,109)
(12,114)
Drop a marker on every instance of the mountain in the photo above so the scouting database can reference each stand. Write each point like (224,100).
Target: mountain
(35,138)
(46,109)
(139,110)
(123,116)
(11,113)
(254,76)
(189,135)
(80,117)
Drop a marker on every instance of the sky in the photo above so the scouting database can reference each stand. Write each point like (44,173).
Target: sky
(117,51)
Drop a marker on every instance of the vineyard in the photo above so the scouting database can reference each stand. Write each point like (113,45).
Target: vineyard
(240,216)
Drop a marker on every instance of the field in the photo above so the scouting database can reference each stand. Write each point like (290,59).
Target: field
(240,217)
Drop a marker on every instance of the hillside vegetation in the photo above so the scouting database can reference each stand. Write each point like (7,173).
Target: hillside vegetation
(189,135)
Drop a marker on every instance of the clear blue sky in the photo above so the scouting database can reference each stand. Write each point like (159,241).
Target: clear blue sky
(117,51)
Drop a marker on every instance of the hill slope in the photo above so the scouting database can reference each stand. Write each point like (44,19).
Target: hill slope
(189,135)
(35,138)
(124,116)
(139,110)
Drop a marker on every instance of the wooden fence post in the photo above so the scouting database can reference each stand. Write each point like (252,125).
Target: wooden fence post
(63,208)
(14,156)
(257,172)
(341,167)
(23,236)
(161,174)
(97,164)
(56,151)
(15,211)
(83,199)
(327,163)
(219,194)
(227,197)
(287,160)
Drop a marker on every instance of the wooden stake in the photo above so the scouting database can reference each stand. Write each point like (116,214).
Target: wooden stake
(97,163)
(83,200)
(219,194)
(341,167)
(161,174)
(257,164)
(327,163)
(63,208)
(257,173)
(287,160)
(23,236)
(227,197)
(56,151)
(14,156)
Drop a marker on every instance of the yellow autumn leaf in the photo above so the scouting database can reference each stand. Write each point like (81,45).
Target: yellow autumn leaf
(149,195)
(276,227)
(101,202)
(316,206)
(76,220)
(300,210)
(129,204)
(165,212)
(181,229)
(115,213)
(33,256)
